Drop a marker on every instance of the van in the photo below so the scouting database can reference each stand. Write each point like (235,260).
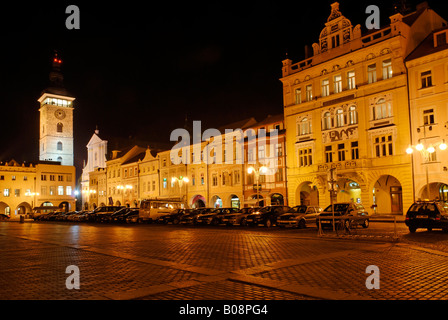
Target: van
(151,209)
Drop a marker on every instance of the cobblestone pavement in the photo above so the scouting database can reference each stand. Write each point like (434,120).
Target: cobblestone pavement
(155,262)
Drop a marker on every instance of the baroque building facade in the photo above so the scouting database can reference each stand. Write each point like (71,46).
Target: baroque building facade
(346,113)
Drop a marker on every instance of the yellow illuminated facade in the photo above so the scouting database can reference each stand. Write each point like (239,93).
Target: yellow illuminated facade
(346,111)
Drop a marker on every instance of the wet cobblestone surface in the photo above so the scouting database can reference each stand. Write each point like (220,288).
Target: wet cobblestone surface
(155,262)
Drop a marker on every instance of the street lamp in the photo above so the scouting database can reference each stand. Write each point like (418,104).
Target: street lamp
(256,173)
(126,187)
(426,153)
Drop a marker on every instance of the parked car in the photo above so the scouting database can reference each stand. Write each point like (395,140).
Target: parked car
(299,216)
(344,212)
(267,215)
(174,216)
(4,217)
(214,217)
(238,217)
(122,214)
(427,214)
(191,217)
(102,214)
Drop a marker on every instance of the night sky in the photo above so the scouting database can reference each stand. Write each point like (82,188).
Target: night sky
(138,69)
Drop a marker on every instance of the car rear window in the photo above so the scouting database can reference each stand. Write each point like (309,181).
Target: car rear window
(416,207)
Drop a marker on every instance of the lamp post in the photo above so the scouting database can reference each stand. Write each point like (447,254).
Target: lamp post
(122,188)
(181,181)
(256,173)
(426,151)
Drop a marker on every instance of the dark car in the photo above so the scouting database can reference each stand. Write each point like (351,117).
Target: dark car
(122,214)
(214,217)
(174,216)
(238,217)
(190,217)
(267,215)
(427,214)
(102,214)
(299,216)
(344,212)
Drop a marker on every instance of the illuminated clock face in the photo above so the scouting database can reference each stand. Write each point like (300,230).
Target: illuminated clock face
(60,114)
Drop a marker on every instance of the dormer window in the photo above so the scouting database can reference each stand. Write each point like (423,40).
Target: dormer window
(440,38)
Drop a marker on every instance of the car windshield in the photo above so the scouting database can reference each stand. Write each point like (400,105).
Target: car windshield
(338,207)
(298,209)
(416,207)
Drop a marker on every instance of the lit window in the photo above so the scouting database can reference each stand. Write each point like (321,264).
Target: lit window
(325,88)
(326,121)
(304,127)
(60,190)
(328,154)
(351,80)
(309,92)
(340,118)
(352,115)
(371,73)
(6,192)
(382,109)
(298,96)
(305,157)
(387,69)
(338,84)
(68,190)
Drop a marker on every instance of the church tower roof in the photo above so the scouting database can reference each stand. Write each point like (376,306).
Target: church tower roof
(56,85)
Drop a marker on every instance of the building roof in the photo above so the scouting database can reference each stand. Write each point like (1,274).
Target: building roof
(271,119)
(427,46)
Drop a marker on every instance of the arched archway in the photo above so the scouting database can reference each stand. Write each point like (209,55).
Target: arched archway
(348,190)
(234,201)
(64,206)
(216,202)
(307,194)
(117,203)
(437,191)
(387,195)
(277,199)
(24,208)
(5,209)
(198,201)
(258,200)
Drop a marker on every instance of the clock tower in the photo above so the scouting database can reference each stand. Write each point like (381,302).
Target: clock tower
(56,119)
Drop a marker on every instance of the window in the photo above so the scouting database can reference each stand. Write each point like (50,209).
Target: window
(428,117)
(383,146)
(340,118)
(325,88)
(214,180)
(60,190)
(59,127)
(224,178)
(153,185)
(371,73)
(17,192)
(236,176)
(305,157)
(338,84)
(59,146)
(6,192)
(68,190)
(164,184)
(193,179)
(387,69)
(426,79)
(304,127)
(43,177)
(279,175)
(341,152)
(326,121)
(352,115)
(51,191)
(68,178)
(250,155)
(355,150)
(441,39)
(298,96)
(2,177)
(309,92)
(60,178)
(335,41)
(13,178)
(328,154)
(52,177)
(351,80)
(43,191)
(382,109)
(278,150)
(261,152)
(202,179)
